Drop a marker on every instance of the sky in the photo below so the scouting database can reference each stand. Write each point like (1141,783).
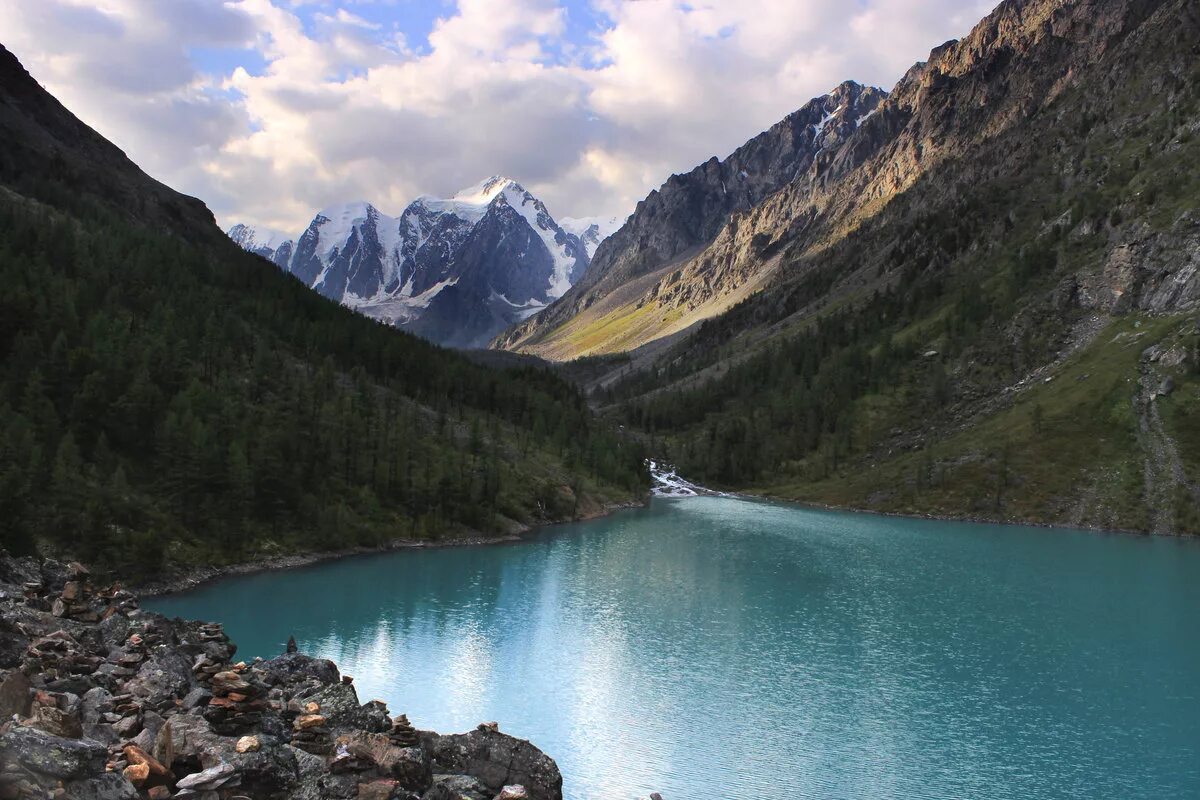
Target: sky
(269,110)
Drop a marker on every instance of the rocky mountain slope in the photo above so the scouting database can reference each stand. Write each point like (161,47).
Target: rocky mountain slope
(979,302)
(454,271)
(46,149)
(610,308)
(103,701)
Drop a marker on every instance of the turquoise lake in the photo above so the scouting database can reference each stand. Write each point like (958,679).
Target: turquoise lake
(722,648)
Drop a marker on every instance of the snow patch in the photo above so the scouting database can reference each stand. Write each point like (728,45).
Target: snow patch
(591,230)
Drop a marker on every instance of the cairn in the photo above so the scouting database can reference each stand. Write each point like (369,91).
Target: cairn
(309,730)
(59,660)
(237,704)
(403,734)
(74,600)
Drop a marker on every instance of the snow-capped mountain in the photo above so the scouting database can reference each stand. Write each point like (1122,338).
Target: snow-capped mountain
(456,271)
(269,244)
(591,230)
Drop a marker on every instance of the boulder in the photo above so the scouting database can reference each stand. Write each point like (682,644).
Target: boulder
(50,755)
(163,677)
(296,667)
(138,757)
(196,698)
(497,760)
(309,769)
(340,707)
(137,774)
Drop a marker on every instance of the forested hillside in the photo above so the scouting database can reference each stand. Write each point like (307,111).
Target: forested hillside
(166,397)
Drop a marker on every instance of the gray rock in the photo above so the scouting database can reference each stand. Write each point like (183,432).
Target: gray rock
(54,756)
(498,760)
(106,786)
(212,778)
(196,698)
(457,787)
(309,769)
(101,732)
(168,674)
(295,667)
(337,787)
(95,702)
(340,706)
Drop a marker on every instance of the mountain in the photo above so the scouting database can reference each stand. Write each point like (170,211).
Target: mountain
(591,230)
(607,309)
(168,400)
(454,271)
(274,246)
(976,300)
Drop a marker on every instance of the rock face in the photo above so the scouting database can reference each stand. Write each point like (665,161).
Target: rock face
(113,702)
(688,211)
(454,271)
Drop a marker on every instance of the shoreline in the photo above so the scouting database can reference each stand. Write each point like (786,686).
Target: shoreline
(192,578)
(704,491)
(197,577)
(973,520)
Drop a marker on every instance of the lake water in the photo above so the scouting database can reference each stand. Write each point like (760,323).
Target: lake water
(721,648)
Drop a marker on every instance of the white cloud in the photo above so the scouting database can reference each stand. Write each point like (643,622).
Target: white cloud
(343,108)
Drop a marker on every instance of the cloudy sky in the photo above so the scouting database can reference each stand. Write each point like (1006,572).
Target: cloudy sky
(271,109)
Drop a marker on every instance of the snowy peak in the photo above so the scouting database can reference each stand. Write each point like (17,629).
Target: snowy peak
(591,230)
(485,191)
(271,245)
(255,239)
(456,270)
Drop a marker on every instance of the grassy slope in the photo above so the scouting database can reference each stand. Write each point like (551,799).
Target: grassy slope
(1079,464)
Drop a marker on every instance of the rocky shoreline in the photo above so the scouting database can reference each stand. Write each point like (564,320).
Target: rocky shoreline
(101,700)
(194,577)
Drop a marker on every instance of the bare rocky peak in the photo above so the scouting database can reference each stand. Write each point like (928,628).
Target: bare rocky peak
(689,209)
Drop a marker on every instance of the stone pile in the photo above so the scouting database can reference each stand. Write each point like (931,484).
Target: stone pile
(403,734)
(100,700)
(60,660)
(73,602)
(310,731)
(237,703)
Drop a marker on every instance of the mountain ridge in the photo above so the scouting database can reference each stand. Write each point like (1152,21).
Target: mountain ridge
(454,270)
(688,211)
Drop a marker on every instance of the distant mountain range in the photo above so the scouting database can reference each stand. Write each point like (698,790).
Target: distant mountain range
(456,271)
